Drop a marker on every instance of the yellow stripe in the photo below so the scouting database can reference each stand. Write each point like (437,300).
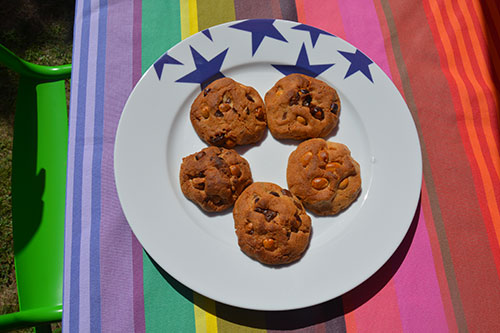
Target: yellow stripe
(204,308)
(193,17)
(204,314)
(189,18)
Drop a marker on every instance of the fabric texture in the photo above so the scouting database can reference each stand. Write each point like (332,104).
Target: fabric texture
(444,58)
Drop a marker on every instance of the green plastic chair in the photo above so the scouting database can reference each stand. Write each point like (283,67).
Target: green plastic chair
(38,192)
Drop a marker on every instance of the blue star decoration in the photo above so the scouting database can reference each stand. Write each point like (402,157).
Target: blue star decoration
(302,66)
(259,29)
(207,33)
(165,59)
(314,32)
(359,63)
(206,71)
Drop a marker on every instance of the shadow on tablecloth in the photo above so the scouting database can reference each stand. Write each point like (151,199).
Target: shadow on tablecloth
(331,313)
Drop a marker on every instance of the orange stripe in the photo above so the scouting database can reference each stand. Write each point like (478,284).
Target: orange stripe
(484,76)
(350,322)
(438,261)
(467,107)
(301,16)
(494,12)
(492,194)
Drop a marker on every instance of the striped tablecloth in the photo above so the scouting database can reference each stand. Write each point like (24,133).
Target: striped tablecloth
(443,56)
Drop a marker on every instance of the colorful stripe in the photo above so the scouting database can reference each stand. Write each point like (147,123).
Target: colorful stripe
(138,289)
(116,236)
(445,276)
(74,289)
(68,232)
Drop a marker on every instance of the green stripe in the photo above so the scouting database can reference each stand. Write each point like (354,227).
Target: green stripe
(168,305)
(161,29)
(214,12)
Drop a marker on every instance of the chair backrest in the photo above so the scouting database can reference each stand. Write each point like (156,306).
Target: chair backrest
(39,160)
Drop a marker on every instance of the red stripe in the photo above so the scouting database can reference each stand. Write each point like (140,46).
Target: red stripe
(438,261)
(471,88)
(472,259)
(326,17)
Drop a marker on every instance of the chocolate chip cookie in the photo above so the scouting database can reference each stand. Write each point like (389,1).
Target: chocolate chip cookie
(301,107)
(227,113)
(214,178)
(271,224)
(324,176)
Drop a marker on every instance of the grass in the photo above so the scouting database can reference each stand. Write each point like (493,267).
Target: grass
(40,32)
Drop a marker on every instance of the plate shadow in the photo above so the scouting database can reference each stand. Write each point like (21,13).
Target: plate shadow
(331,312)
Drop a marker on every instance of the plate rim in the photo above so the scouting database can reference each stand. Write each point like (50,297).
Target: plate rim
(415,195)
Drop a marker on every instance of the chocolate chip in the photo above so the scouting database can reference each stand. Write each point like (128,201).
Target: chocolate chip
(219,114)
(307,100)
(334,108)
(304,91)
(200,155)
(286,192)
(317,113)
(283,117)
(259,114)
(250,98)
(206,91)
(268,214)
(294,100)
(247,110)
(297,217)
(218,162)
(256,200)
(201,174)
(219,138)
(228,100)
(274,193)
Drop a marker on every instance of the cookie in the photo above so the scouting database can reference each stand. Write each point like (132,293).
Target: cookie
(214,178)
(324,176)
(271,224)
(301,107)
(227,113)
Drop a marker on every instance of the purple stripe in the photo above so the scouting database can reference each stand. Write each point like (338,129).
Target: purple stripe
(288,10)
(95,271)
(116,236)
(71,165)
(77,174)
(88,148)
(139,316)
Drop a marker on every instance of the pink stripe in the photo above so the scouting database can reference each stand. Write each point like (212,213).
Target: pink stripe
(116,237)
(367,314)
(366,36)
(324,16)
(417,287)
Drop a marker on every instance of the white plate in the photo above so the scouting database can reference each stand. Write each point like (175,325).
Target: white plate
(200,250)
